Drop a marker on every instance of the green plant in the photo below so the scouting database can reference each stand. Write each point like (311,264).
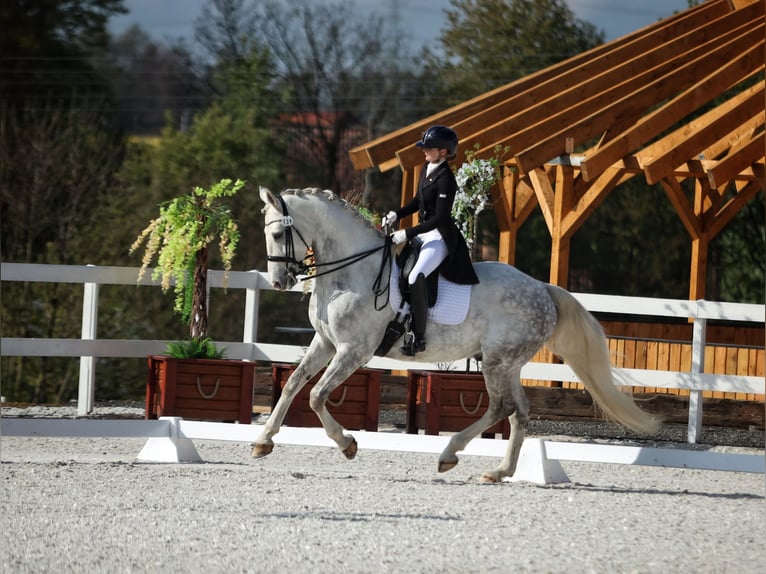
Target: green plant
(195,349)
(475,179)
(179,238)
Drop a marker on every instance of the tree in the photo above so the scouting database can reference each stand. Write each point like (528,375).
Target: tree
(488,43)
(149,79)
(47,46)
(338,76)
(55,167)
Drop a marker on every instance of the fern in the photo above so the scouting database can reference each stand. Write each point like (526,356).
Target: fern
(195,349)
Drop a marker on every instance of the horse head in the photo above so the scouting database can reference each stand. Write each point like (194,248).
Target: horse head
(283,267)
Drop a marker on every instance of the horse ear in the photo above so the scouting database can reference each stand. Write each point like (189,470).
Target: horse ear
(269,198)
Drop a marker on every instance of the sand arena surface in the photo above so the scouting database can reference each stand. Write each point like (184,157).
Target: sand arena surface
(85,505)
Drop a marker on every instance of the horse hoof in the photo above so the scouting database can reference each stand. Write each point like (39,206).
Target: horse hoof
(261,450)
(350,450)
(445,466)
(489,478)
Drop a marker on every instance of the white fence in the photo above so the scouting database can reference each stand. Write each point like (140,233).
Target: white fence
(170,440)
(88,347)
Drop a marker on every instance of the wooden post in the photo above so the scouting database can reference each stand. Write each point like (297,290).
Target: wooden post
(698,271)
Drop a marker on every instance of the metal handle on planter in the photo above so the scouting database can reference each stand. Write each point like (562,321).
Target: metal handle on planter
(475,409)
(215,390)
(340,400)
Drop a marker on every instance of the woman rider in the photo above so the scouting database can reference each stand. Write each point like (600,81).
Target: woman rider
(443,246)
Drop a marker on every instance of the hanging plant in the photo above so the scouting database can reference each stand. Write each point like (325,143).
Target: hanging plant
(179,238)
(475,179)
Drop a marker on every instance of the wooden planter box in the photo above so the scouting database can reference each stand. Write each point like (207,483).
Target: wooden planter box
(203,389)
(447,401)
(354,404)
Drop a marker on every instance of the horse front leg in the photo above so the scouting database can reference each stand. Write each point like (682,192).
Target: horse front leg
(317,355)
(343,364)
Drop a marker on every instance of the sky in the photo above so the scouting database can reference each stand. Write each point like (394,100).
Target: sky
(421,19)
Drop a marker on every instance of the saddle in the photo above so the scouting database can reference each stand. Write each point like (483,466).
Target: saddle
(405,261)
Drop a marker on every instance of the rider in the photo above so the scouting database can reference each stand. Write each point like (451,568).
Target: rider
(443,246)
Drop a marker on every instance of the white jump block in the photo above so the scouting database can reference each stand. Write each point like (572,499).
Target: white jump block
(173,448)
(535,466)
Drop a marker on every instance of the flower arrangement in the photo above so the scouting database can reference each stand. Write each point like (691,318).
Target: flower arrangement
(475,179)
(179,238)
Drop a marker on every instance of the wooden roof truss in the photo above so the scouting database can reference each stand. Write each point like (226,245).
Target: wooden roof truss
(658,102)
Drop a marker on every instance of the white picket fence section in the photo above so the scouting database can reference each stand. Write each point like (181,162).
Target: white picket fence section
(88,347)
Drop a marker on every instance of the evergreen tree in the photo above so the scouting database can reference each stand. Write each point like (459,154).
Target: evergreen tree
(488,43)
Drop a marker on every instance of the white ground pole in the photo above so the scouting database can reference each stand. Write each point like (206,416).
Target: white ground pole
(170,440)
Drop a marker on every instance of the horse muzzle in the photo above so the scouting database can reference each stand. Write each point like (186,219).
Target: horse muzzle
(284,282)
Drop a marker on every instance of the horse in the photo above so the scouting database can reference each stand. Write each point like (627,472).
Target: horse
(510,317)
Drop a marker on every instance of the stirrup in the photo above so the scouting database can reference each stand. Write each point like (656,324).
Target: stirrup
(413,346)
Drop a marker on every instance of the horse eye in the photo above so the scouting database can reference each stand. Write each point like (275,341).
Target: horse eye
(277,235)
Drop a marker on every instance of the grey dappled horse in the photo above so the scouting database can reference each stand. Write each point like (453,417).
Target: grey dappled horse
(511,316)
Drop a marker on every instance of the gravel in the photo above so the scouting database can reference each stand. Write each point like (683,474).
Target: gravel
(86,505)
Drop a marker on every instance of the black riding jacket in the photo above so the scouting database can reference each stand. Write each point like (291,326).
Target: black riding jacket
(433,202)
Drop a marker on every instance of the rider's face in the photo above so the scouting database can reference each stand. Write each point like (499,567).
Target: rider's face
(433,155)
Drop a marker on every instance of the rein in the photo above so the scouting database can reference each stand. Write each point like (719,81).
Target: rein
(303,267)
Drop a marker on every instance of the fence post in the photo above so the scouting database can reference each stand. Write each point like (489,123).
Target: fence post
(694,431)
(86,389)
(252,299)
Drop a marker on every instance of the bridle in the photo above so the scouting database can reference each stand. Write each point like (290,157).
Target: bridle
(294,267)
(304,266)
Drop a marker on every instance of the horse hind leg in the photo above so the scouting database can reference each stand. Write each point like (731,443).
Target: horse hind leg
(518,420)
(501,405)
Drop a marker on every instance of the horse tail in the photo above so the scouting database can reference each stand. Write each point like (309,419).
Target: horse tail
(579,339)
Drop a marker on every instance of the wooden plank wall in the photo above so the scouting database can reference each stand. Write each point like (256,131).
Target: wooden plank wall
(668,347)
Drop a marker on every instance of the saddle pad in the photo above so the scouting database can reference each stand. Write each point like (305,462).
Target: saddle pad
(451,305)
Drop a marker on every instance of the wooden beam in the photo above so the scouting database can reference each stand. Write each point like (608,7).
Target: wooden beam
(564,196)
(503,196)
(698,267)
(724,215)
(544,193)
(742,57)
(728,167)
(593,197)
(742,132)
(409,189)
(678,199)
(737,4)
(524,201)
(700,133)
(559,272)
(506,250)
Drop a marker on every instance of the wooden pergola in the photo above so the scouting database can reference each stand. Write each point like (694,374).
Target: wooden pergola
(578,129)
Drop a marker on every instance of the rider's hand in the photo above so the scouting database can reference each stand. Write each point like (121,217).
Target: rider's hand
(399,236)
(389,218)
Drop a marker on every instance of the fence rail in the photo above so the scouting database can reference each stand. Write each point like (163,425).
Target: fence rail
(88,347)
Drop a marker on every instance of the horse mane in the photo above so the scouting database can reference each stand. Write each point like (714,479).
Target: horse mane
(329,196)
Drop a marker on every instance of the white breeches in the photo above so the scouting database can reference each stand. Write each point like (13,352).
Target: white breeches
(432,253)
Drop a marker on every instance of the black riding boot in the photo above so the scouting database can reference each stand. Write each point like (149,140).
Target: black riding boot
(419,307)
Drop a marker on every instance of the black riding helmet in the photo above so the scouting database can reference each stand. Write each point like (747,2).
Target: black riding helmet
(439,137)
